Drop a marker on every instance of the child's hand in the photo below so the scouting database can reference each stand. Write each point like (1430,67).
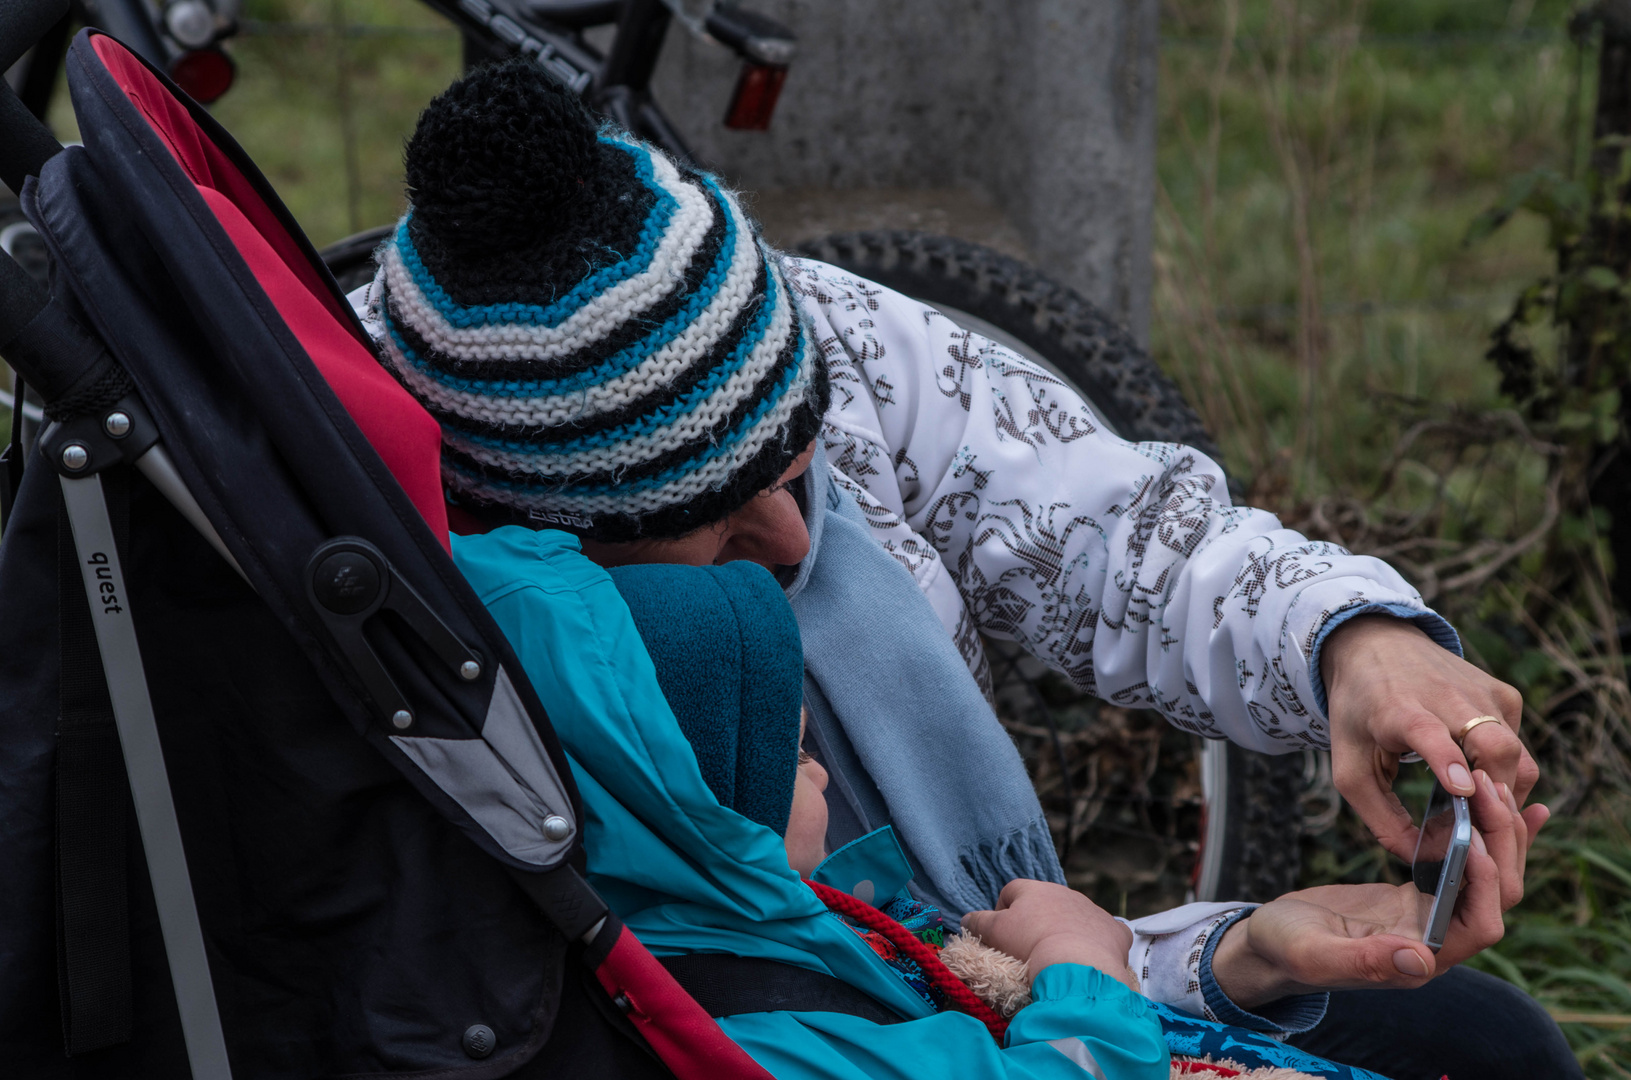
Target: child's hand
(1044,924)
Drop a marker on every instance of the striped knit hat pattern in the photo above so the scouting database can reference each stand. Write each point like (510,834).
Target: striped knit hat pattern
(606,341)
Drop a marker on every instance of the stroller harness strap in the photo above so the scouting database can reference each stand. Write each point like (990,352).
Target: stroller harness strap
(727,985)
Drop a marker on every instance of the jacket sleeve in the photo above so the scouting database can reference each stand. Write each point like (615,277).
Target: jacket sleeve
(1172,956)
(1080,1024)
(1122,565)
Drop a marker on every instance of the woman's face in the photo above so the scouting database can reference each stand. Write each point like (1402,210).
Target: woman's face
(769,530)
(806,836)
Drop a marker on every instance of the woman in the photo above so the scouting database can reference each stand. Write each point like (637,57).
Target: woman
(611,350)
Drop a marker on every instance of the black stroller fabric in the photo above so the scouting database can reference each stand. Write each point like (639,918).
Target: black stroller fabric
(360,916)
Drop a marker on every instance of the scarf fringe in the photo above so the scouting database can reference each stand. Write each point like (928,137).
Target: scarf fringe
(983,870)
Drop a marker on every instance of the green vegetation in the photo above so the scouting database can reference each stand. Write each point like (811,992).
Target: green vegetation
(1321,164)
(1326,292)
(325,114)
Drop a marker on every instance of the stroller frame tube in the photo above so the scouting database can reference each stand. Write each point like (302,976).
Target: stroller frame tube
(149,781)
(161,473)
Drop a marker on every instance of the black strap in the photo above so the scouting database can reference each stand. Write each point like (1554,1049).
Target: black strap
(730,985)
(566,899)
(93,919)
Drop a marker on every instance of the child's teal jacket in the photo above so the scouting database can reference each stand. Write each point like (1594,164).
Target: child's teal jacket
(688,875)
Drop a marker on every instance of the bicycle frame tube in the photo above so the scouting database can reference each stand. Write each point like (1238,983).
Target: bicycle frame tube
(616,86)
(497,24)
(128,21)
(638,44)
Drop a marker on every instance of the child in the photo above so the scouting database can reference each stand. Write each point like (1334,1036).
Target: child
(701,819)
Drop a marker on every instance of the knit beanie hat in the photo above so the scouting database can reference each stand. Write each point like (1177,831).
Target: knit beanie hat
(607,343)
(727,653)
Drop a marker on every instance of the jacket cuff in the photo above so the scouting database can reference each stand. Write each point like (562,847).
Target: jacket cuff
(1431,623)
(1059,981)
(1286,1016)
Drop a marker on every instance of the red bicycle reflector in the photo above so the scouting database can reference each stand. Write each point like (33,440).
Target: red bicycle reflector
(205,74)
(757,89)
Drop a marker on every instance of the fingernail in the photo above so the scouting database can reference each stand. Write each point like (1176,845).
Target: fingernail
(1461,780)
(1478,842)
(1410,962)
(1511,801)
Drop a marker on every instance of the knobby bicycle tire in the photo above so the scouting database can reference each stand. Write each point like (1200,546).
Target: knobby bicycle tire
(1248,834)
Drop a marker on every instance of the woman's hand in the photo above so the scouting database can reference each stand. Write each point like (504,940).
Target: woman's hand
(1345,936)
(1391,690)
(1044,924)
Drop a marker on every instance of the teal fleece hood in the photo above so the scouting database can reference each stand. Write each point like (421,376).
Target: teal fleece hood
(688,875)
(685,873)
(729,661)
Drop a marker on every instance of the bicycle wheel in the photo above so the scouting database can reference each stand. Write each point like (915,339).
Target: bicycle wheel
(1147,814)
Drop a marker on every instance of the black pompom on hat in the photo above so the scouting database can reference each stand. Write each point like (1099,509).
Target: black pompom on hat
(607,342)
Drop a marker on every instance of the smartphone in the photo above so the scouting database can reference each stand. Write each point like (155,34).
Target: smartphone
(1440,866)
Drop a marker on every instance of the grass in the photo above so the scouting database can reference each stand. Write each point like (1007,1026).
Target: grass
(1319,164)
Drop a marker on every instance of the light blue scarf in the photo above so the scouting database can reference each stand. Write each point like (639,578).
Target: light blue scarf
(900,723)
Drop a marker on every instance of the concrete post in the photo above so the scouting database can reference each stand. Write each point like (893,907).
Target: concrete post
(1042,109)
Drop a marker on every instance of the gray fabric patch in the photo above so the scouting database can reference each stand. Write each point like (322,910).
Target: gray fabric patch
(504,780)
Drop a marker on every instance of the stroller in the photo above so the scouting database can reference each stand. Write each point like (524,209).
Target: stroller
(278,800)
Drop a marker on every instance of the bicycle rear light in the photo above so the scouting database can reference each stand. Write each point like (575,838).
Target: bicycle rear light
(205,74)
(766,48)
(754,102)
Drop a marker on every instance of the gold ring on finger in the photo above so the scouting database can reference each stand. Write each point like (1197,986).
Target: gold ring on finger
(1461,736)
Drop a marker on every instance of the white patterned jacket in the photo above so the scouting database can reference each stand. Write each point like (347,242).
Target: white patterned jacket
(1123,565)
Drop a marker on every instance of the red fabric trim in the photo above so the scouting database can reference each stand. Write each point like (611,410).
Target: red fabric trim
(404,435)
(687,1039)
(207,165)
(958,995)
(1206,1068)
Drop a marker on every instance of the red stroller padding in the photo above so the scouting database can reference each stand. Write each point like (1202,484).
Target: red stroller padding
(404,435)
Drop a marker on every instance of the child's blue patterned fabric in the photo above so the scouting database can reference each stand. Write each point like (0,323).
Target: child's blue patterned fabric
(1194,1037)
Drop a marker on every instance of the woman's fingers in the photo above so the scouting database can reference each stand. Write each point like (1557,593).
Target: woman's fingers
(1429,736)
(1335,960)
(1498,750)
(1505,836)
(1534,817)
(1364,775)
(1477,923)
